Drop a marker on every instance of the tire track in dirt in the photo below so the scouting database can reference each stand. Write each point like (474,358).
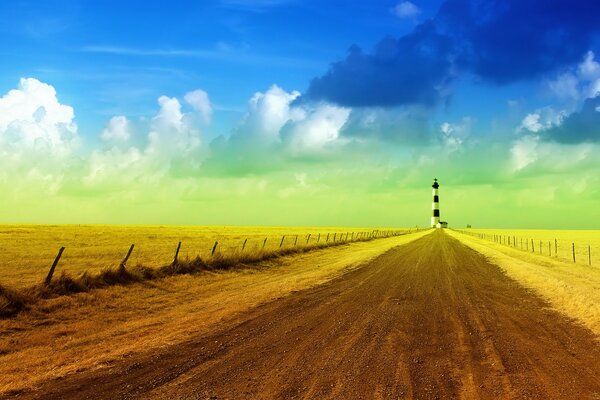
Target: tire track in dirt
(429,319)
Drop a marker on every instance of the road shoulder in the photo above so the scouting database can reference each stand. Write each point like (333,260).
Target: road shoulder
(571,289)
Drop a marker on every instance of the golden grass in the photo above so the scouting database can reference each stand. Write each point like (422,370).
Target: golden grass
(572,289)
(564,238)
(28,250)
(87,331)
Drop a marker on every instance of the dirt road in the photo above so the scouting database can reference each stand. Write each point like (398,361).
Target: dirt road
(430,319)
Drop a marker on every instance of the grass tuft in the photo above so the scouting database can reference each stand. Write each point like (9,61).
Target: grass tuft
(12,302)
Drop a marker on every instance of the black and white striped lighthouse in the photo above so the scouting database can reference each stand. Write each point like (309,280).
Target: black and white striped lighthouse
(435,219)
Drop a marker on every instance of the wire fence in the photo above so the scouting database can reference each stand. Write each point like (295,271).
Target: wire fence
(572,251)
(256,248)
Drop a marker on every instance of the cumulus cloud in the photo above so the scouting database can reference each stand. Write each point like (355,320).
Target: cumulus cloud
(565,87)
(268,112)
(278,128)
(581,85)
(414,69)
(589,69)
(319,128)
(406,125)
(200,102)
(276,118)
(406,9)
(32,117)
(172,147)
(580,126)
(117,131)
(542,119)
(577,83)
(38,138)
(466,36)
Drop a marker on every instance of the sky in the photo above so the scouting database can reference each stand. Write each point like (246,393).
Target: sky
(291,112)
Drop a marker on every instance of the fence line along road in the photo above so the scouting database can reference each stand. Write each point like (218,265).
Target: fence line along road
(536,246)
(257,245)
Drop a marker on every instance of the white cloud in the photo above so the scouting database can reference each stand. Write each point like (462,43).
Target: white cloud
(118,130)
(524,152)
(406,9)
(589,69)
(172,140)
(172,133)
(114,166)
(579,83)
(200,102)
(536,155)
(38,138)
(541,119)
(273,118)
(31,117)
(531,122)
(565,87)
(455,134)
(268,112)
(320,127)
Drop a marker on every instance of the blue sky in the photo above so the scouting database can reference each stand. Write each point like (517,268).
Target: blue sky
(208,101)
(115,57)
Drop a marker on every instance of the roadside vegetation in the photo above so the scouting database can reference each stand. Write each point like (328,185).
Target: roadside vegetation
(232,251)
(571,288)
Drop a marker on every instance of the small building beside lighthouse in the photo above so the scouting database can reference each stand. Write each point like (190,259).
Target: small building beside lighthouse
(435,218)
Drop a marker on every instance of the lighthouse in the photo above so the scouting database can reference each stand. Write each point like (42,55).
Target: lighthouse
(435,219)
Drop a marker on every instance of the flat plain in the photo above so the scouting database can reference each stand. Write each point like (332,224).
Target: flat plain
(427,319)
(29,250)
(422,315)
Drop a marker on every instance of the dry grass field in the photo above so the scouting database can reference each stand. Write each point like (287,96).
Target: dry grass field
(572,289)
(89,331)
(564,240)
(28,250)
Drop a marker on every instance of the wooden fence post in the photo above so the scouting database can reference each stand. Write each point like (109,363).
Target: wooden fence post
(573,245)
(282,239)
(327,240)
(244,245)
(319,237)
(296,241)
(54,264)
(334,235)
(540,247)
(214,248)
(532,246)
(177,254)
(589,255)
(308,238)
(264,243)
(124,262)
